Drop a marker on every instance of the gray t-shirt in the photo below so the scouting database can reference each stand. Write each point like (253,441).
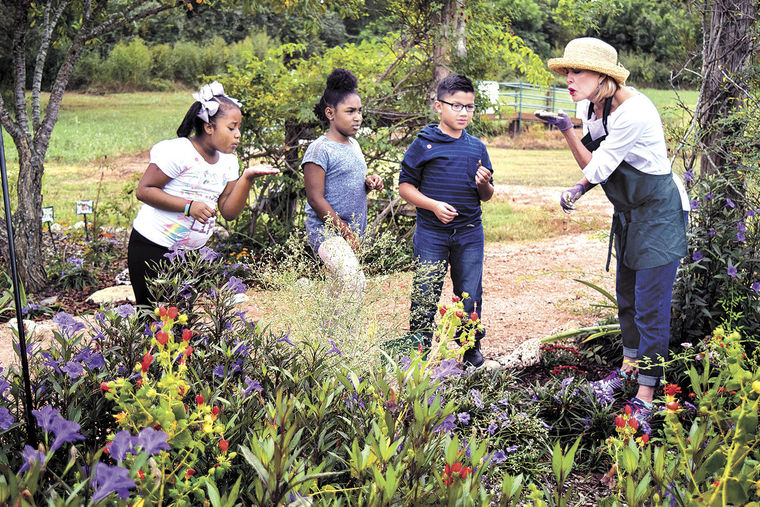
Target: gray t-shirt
(345,172)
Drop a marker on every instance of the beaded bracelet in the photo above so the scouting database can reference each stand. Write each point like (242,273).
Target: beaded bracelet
(187,207)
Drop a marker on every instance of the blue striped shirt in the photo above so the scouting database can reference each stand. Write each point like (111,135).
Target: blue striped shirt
(443,168)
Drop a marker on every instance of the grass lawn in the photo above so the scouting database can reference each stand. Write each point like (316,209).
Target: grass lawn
(542,168)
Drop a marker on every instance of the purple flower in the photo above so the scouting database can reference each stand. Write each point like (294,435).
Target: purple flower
(741,226)
(50,362)
(334,349)
(45,417)
(697,255)
(730,203)
(121,444)
(446,368)
(464,418)
(688,176)
(694,204)
(6,419)
(65,431)
(31,456)
(151,441)
(711,232)
(740,237)
(67,323)
(477,399)
(95,361)
(251,385)
(511,449)
(750,212)
(498,457)
(82,355)
(111,479)
(731,271)
(73,369)
(756,286)
(405,362)
(75,261)
(208,254)
(219,371)
(236,285)
(175,251)
(710,195)
(492,428)
(125,311)
(448,424)
(241,348)
(285,339)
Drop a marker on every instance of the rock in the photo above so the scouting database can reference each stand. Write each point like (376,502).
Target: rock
(528,353)
(42,329)
(490,364)
(123,278)
(239,299)
(49,301)
(113,294)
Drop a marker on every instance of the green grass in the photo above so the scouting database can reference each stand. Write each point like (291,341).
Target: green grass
(667,103)
(541,168)
(93,126)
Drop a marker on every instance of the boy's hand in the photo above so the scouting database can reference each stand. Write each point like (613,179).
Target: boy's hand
(373,182)
(445,212)
(483,176)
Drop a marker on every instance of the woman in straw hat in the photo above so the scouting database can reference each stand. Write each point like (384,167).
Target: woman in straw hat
(624,151)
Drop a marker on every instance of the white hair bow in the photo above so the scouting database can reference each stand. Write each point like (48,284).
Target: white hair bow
(206,95)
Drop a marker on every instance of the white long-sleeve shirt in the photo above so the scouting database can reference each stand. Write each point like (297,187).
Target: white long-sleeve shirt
(634,135)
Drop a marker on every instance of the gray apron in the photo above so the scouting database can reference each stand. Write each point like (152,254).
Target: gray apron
(647,225)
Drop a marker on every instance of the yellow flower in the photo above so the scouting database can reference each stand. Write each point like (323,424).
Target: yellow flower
(121,417)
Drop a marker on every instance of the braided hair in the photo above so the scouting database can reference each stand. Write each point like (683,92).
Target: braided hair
(340,83)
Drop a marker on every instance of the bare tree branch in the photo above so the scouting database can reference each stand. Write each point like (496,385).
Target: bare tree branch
(47,32)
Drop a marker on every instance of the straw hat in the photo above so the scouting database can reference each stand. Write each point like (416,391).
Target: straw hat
(590,54)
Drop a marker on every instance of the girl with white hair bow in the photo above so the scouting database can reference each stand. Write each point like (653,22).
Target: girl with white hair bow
(187,180)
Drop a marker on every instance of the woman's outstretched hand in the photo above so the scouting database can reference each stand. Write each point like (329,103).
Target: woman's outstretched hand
(561,120)
(568,197)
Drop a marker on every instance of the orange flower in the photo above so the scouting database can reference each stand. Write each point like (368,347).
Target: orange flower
(224,445)
(189,473)
(671,389)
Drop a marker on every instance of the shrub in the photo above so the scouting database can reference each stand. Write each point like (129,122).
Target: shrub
(129,64)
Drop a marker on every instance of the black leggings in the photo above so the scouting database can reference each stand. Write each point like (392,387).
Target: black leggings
(142,257)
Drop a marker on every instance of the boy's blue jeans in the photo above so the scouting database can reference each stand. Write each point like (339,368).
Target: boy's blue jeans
(435,251)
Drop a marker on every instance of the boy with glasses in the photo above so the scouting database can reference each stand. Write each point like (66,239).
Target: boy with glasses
(446,173)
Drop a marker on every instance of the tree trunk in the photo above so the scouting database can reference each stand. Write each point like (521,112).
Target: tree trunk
(451,24)
(727,25)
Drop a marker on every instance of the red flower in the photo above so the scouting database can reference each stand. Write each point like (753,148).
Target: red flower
(188,350)
(644,438)
(162,311)
(672,405)
(215,411)
(141,474)
(162,337)
(186,335)
(107,449)
(671,389)
(465,471)
(189,473)
(442,311)
(146,360)
(104,387)
(456,467)
(172,312)
(473,316)
(633,423)
(199,399)
(224,445)
(620,421)
(628,410)
(455,298)
(460,313)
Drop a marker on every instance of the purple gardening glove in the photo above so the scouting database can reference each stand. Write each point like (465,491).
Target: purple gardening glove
(560,120)
(568,197)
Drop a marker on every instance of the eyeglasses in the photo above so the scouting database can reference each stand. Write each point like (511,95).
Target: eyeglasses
(458,107)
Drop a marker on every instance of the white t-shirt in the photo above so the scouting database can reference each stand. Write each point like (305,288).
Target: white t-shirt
(634,135)
(191,178)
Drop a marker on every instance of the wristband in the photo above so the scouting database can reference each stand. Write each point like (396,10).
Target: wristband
(187,207)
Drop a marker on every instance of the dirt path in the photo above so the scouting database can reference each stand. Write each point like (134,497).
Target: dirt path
(528,288)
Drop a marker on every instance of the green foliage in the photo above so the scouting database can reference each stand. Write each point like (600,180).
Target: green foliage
(708,452)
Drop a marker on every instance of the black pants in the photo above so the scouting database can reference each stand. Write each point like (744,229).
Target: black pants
(142,257)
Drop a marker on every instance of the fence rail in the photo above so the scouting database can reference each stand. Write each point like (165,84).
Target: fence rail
(518,101)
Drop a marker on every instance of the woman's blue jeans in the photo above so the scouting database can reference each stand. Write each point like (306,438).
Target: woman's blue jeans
(436,251)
